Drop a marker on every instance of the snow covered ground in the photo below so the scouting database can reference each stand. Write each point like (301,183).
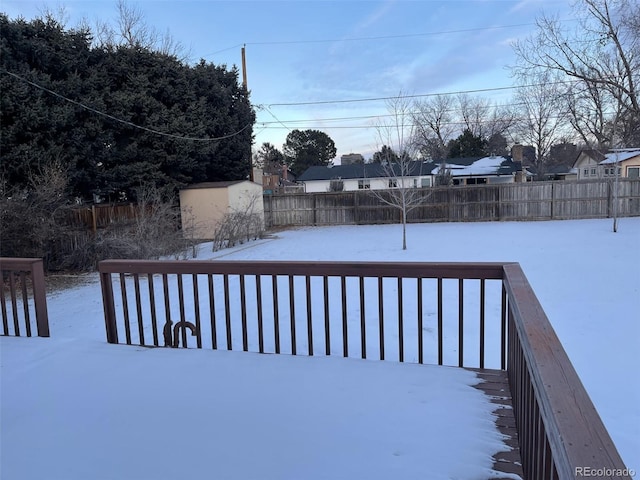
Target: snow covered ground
(586,277)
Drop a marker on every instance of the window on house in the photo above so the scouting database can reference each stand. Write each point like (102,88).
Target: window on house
(415,183)
(633,172)
(593,172)
(393,183)
(586,172)
(426,182)
(364,184)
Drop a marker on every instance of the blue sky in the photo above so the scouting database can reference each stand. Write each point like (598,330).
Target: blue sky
(307,51)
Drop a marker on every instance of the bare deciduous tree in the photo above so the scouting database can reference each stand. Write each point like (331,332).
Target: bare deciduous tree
(541,119)
(132,30)
(433,122)
(602,54)
(398,133)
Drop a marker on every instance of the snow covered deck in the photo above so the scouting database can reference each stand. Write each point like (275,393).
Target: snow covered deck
(79,409)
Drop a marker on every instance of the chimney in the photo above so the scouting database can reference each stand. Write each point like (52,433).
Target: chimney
(284,172)
(517,153)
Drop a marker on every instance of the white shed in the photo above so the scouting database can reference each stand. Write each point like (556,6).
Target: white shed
(204,205)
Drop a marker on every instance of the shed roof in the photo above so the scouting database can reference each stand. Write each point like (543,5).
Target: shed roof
(223,184)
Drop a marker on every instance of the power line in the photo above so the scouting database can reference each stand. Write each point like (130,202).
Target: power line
(422,95)
(379,37)
(390,37)
(126,122)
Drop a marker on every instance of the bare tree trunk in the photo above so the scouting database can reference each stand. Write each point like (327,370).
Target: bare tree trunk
(404,228)
(615,196)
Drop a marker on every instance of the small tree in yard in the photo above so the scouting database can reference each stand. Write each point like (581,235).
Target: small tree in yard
(399,168)
(240,225)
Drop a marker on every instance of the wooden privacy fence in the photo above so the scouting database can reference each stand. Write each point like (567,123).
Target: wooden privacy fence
(516,201)
(23,296)
(94,217)
(463,314)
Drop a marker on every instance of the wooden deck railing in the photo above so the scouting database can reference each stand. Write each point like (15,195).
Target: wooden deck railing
(465,314)
(23,284)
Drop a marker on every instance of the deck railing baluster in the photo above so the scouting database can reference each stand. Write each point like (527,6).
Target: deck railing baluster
(167,333)
(440,323)
(3,305)
(196,306)
(327,323)
(400,322)
(307,282)
(212,311)
(227,310)
(136,288)
(259,313)
(420,333)
(381,316)
(292,314)
(14,303)
(460,322)
(276,309)
(152,309)
(25,303)
(363,323)
(243,315)
(125,308)
(183,318)
(482,320)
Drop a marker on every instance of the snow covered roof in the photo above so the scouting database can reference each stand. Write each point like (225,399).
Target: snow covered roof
(494,165)
(620,155)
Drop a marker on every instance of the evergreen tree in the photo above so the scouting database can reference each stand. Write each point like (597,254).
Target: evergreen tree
(54,83)
(308,148)
(467,145)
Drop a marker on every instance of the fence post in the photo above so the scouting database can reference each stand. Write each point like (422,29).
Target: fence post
(356,207)
(94,220)
(315,216)
(553,198)
(109,308)
(40,298)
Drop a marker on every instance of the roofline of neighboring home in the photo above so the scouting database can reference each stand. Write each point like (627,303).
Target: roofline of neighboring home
(222,184)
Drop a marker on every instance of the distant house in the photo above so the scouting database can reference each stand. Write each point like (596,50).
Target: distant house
(374,176)
(592,164)
(278,181)
(368,176)
(203,205)
(479,171)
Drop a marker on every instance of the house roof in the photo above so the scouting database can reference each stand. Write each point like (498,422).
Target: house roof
(481,166)
(366,170)
(469,166)
(620,155)
(609,156)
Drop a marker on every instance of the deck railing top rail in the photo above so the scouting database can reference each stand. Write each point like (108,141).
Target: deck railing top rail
(458,270)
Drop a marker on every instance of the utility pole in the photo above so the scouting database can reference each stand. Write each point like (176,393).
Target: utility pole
(244,68)
(244,84)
